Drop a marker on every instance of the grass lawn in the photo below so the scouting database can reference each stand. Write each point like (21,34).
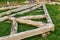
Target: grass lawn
(15,1)
(54,11)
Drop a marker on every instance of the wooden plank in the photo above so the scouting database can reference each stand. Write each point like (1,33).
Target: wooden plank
(14,27)
(28,10)
(33,17)
(18,9)
(29,33)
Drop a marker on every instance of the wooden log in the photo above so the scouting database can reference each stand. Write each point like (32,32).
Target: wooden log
(33,17)
(47,15)
(29,22)
(18,6)
(30,33)
(16,10)
(14,27)
(10,7)
(28,10)
(8,3)
(3,18)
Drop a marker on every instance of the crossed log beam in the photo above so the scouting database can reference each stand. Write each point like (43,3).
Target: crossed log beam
(32,17)
(14,27)
(28,10)
(43,27)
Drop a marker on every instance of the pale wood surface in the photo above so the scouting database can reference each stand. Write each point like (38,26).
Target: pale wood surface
(30,33)
(29,22)
(16,10)
(47,14)
(18,6)
(33,17)
(28,10)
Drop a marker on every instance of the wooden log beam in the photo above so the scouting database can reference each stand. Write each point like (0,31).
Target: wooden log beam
(28,10)
(18,9)
(47,14)
(49,20)
(14,27)
(29,22)
(3,18)
(30,33)
(33,17)
(18,6)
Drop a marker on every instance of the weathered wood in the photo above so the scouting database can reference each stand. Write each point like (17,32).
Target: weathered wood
(14,27)
(18,9)
(8,3)
(33,17)
(28,10)
(3,18)
(47,15)
(10,7)
(29,22)
(30,33)
(18,6)
(43,28)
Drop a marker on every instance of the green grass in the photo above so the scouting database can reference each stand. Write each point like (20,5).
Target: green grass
(5,28)
(54,11)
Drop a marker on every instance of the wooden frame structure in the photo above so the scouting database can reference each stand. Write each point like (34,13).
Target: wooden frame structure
(42,27)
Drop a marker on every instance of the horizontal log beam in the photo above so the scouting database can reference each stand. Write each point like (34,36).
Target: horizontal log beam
(33,17)
(12,7)
(28,10)
(29,22)
(16,10)
(14,27)
(29,33)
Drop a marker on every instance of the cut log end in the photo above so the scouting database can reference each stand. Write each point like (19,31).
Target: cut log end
(44,35)
(53,29)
